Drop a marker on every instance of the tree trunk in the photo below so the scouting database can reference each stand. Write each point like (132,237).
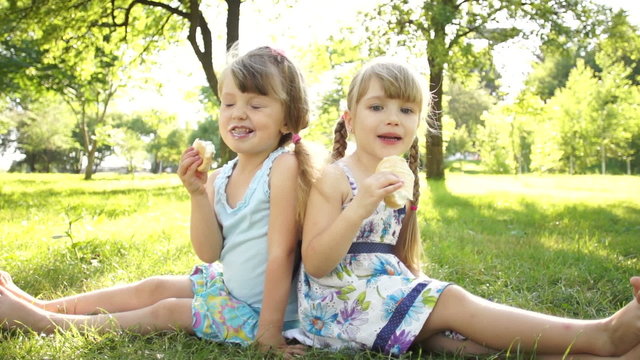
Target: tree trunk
(233,22)
(434,160)
(628,166)
(603,159)
(233,36)
(91,157)
(571,170)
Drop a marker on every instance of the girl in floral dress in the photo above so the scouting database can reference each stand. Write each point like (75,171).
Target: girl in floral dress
(361,285)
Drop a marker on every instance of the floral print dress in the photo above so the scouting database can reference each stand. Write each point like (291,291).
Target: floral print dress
(370,300)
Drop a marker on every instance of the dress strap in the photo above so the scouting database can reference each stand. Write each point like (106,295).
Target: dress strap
(349,175)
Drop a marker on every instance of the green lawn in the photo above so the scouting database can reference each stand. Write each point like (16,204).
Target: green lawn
(564,245)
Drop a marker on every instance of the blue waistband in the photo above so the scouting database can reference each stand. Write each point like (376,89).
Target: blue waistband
(368,248)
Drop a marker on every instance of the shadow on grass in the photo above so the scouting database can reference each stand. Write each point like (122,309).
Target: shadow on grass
(527,245)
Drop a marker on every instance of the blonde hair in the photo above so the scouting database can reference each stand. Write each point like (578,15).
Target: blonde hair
(398,82)
(267,71)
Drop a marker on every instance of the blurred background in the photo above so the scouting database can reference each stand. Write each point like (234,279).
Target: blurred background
(125,86)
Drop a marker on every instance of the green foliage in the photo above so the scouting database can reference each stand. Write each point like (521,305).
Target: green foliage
(337,60)
(494,144)
(444,30)
(466,105)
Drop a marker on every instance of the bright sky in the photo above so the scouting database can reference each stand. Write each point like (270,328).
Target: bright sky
(180,74)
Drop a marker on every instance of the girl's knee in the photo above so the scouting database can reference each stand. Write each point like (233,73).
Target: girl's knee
(151,287)
(172,312)
(454,296)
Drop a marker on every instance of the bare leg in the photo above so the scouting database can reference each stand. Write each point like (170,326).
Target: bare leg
(168,314)
(124,297)
(114,299)
(502,327)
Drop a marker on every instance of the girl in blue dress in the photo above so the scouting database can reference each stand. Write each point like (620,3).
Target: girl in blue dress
(361,286)
(244,222)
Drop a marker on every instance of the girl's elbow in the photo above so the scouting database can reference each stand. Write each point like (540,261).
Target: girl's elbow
(316,273)
(208,258)
(315,270)
(313,265)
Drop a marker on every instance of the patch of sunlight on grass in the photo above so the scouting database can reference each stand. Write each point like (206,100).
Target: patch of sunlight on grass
(554,188)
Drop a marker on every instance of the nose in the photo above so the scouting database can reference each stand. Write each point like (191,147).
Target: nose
(393,119)
(239,113)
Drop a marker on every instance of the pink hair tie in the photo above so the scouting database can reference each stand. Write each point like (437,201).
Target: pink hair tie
(414,207)
(278,53)
(295,138)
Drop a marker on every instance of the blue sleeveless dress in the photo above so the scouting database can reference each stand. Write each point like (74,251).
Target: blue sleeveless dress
(226,306)
(370,300)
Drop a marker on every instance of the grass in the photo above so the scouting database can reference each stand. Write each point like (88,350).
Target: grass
(563,245)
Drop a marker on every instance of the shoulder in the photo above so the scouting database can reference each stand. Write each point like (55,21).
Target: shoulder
(285,164)
(333,180)
(284,169)
(212,177)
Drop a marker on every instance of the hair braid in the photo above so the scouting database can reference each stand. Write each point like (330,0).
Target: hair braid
(414,164)
(306,178)
(340,136)
(409,246)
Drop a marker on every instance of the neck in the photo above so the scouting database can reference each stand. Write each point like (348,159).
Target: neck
(249,163)
(366,162)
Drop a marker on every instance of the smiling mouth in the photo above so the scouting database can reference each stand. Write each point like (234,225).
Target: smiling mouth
(240,131)
(389,138)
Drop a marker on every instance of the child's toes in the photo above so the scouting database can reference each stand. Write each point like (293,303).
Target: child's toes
(635,282)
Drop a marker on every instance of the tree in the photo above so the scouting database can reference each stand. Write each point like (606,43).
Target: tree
(79,59)
(442,28)
(337,60)
(44,135)
(199,36)
(131,27)
(572,108)
(466,107)
(615,111)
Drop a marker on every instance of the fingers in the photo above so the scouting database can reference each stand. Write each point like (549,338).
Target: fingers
(189,161)
(293,351)
(387,182)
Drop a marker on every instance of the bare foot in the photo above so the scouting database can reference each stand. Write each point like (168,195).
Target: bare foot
(634,354)
(635,282)
(7,282)
(624,326)
(5,279)
(15,313)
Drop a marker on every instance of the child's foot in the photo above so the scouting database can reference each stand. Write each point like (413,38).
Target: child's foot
(635,282)
(634,354)
(5,279)
(7,283)
(15,313)
(624,326)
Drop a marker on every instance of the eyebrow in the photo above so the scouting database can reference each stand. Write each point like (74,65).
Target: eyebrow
(375,97)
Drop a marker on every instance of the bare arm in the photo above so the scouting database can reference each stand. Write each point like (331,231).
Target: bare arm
(206,237)
(329,230)
(282,242)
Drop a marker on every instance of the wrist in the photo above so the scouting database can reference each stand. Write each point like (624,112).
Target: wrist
(354,213)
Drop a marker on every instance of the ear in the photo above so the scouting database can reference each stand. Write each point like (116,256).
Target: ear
(284,130)
(348,121)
